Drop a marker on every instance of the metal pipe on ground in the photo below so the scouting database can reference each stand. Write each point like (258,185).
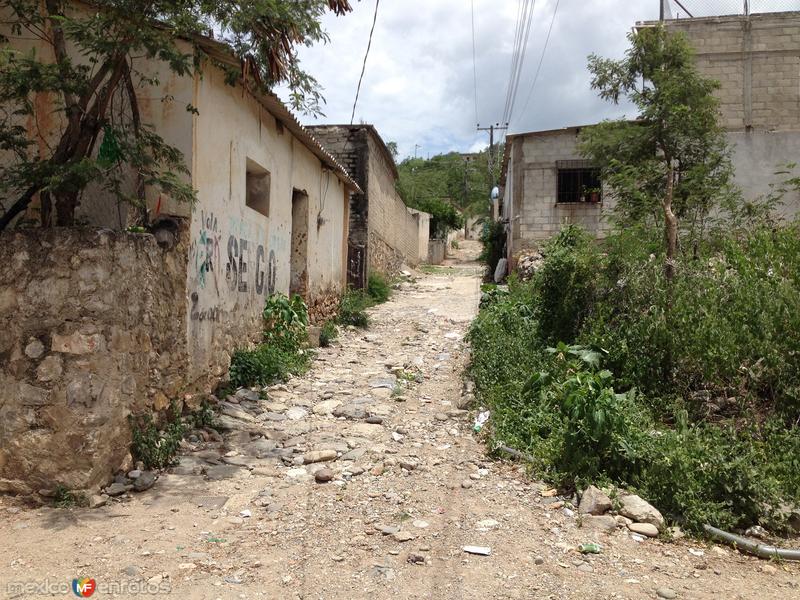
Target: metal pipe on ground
(760,550)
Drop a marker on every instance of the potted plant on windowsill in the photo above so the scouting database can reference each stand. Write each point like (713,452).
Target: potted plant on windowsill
(594,195)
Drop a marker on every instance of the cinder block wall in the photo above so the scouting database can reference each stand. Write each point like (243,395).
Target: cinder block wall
(536,216)
(756,59)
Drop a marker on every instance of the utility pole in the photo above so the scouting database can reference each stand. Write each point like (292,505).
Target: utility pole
(491,129)
(415,149)
(661,10)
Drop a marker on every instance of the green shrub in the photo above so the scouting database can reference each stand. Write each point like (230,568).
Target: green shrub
(352,309)
(728,326)
(266,364)
(155,447)
(378,287)
(565,284)
(285,321)
(64,498)
(701,415)
(281,353)
(328,334)
(493,238)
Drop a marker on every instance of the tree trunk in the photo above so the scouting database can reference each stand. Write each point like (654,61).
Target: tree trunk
(670,226)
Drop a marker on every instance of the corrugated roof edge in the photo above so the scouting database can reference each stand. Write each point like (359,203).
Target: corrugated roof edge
(221,52)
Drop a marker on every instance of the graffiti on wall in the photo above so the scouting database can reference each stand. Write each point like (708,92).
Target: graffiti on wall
(251,265)
(204,252)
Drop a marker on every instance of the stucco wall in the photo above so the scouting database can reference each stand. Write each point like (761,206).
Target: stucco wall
(162,107)
(532,209)
(93,329)
(239,256)
(423,232)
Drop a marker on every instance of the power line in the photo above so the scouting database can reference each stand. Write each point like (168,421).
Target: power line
(364,66)
(514,54)
(541,58)
(474,61)
(525,19)
(521,63)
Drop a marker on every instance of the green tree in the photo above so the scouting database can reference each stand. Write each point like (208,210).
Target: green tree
(452,187)
(673,160)
(97,50)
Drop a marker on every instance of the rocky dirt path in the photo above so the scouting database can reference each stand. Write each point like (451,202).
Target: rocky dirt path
(410,486)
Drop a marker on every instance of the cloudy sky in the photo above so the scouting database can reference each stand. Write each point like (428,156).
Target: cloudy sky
(418,87)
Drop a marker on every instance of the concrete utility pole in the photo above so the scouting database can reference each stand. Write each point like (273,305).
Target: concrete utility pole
(661,10)
(491,129)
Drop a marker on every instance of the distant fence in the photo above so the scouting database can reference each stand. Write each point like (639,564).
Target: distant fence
(683,9)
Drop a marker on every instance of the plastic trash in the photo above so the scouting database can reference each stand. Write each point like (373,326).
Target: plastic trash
(590,548)
(481,420)
(479,550)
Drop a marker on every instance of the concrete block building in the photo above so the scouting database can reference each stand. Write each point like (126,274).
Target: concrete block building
(756,59)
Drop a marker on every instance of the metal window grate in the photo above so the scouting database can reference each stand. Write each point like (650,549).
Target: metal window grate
(578,184)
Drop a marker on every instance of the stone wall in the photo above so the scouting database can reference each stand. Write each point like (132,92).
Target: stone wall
(390,220)
(93,328)
(379,219)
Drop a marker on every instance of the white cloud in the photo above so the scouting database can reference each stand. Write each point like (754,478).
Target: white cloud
(418,86)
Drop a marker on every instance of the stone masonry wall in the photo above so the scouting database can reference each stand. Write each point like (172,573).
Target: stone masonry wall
(93,326)
(390,220)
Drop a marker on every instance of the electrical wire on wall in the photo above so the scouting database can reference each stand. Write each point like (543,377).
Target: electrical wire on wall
(323,195)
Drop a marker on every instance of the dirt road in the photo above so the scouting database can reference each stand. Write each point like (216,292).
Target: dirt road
(411,486)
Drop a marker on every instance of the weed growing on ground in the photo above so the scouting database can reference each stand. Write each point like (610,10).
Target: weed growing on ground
(328,333)
(155,447)
(281,354)
(64,498)
(353,307)
(378,287)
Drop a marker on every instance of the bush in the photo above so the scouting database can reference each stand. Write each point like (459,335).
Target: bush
(281,353)
(727,327)
(701,412)
(493,238)
(565,284)
(378,287)
(352,309)
(328,334)
(285,321)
